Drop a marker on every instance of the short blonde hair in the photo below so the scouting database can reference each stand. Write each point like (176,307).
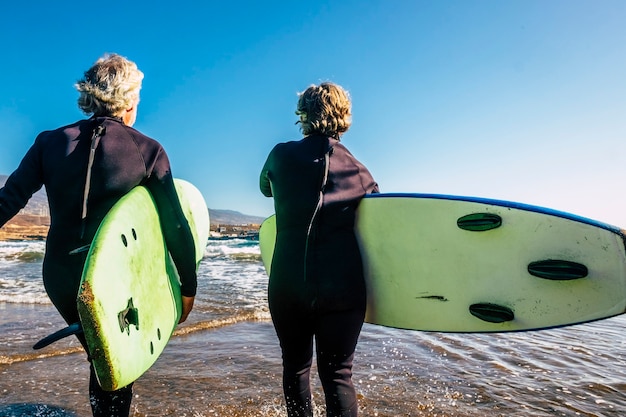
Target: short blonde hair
(324,109)
(110,86)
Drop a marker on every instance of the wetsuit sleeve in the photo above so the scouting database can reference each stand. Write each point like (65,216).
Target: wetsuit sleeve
(176,230)
(370,186)
(354,176)
(264,181)
(21,185)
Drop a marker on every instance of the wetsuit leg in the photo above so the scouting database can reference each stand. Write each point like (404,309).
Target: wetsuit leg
(336,336)
(109,403)
(296,341)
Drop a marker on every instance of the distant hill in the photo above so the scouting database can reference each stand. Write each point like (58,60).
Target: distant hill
(38,206)
(233,217)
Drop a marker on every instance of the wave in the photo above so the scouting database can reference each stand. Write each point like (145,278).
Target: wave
(218,323)
(246,257)
(181,331)
(18,290)
(26,256)
(25,299)
(22,252)
(11,359)
(235,249)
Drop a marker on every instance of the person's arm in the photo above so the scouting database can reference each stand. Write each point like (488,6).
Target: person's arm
(370,186)
(187,307)
(264,184)
(21,185)
(367,182)
(177,233)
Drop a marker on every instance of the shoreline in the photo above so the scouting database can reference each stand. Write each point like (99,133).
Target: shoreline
(32,227)
(25,227)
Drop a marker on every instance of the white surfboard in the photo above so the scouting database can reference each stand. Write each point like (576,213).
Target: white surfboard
(459,264)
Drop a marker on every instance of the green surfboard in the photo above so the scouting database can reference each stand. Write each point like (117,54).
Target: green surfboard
(129,300)
(460,264)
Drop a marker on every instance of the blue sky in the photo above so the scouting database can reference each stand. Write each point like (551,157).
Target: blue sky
(515,100)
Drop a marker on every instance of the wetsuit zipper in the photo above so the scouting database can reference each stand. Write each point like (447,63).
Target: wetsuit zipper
(95,140)
(317,208)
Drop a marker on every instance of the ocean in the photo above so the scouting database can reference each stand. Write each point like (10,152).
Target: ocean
(225,360)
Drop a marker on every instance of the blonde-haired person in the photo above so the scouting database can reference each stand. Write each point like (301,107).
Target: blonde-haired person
(81,190)
(110,87)
(316,287)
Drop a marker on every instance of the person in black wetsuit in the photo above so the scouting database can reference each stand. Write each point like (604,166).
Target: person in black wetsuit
(316,287)
(81,190)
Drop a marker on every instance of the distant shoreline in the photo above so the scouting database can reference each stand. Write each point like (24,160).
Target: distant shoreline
(25,227)
(32,227)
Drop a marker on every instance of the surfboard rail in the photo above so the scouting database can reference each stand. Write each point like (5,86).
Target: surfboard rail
(502,203)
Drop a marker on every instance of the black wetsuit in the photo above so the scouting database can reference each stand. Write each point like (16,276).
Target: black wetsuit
(316,287)
(124,158)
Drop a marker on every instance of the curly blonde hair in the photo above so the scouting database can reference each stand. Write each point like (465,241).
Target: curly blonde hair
(324,109)
(110,86)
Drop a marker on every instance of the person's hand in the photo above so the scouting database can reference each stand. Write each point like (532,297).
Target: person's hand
(187,307)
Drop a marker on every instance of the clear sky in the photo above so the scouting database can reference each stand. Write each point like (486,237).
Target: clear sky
(521,100)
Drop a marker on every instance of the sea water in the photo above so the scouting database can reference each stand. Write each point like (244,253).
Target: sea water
(225,360)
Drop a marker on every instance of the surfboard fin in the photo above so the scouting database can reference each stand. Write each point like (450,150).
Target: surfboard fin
(479,222)
(74,328)
(558,270)
(492,313)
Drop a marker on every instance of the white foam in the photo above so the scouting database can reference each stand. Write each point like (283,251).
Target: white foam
(11,251)
(23,291)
